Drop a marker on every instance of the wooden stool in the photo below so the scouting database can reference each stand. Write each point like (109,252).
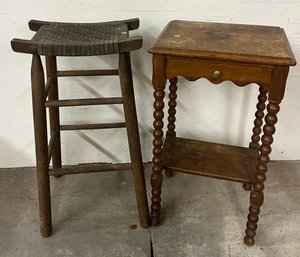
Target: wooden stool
(75,39)
(243,54)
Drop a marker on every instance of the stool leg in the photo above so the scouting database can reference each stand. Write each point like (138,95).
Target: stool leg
(126,82)
(257,196)
(41,144)
(172,111)
(54,111)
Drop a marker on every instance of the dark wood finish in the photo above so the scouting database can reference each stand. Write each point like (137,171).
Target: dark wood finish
(257,197)
(51,67)
(242,54)
(73,73)
(259,115)
(80,102)
(93,126)
(247,186)
(90,168)
(209,159)
(48,86)
(159,82)
(132,24)
(172,112)
(125,75)
(54,39)
(24,46)
(258,122)
(34,25)
(41,144)
(240,74)
(228,42)
(53,138)
(172,107)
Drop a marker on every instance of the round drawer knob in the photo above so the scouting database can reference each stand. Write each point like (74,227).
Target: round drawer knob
(216,74)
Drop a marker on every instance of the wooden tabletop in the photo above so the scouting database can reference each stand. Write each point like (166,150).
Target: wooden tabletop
(229,42)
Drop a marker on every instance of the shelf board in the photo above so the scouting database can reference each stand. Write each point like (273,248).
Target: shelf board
(210,159)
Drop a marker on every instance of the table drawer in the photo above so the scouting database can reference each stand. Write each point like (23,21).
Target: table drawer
(217,72)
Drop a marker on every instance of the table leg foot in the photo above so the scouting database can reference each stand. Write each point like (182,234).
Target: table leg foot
(169,173)
(155,222)
(249,241)
(247,186)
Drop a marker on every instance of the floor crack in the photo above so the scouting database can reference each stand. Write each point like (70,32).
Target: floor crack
(151,245)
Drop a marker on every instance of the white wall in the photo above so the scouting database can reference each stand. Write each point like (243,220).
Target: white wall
(221,113)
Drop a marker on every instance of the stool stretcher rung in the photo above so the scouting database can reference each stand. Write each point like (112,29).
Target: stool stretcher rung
(75,73)
(80,102)
(89,168)
(93,126)
(50,146)
(48,86)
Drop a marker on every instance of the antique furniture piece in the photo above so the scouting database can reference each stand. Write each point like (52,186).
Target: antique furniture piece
(243,54)
(54,39)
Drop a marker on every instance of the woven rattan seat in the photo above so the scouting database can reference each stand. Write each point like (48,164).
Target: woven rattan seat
(79,39)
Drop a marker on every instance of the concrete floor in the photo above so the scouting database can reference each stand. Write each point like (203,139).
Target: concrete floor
(93,215)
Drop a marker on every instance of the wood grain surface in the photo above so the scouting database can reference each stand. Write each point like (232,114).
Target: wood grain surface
(244,43)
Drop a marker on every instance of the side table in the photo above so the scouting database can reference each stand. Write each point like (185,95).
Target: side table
(243,54)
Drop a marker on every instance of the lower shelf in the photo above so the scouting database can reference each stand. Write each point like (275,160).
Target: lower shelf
(209,159)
